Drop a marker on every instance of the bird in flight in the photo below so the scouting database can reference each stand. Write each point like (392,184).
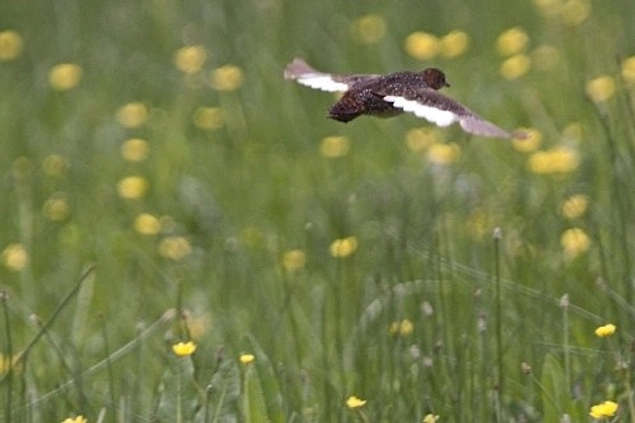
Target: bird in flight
(392,94)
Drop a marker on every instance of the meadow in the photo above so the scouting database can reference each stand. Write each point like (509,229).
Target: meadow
(185,237)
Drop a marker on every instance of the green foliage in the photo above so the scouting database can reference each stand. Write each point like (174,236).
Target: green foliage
(166,183)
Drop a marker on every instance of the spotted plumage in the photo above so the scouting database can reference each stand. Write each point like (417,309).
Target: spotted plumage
(392,94)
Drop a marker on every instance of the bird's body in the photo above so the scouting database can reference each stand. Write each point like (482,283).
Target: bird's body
(392,94)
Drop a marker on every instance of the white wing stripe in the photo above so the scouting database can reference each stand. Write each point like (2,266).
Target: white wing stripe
(434,115)
(322,82)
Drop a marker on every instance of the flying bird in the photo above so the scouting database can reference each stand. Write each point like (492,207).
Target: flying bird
(392,94)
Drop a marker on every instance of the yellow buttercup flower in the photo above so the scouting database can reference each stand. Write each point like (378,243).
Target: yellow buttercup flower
(419,139)
(334,147)
(15,257)
(132,187)
(575,12)
(531,141)
(54,165)
(190,59)
(78,419)
(403,328)
(369,29)
(422,46)
(430,418)
(293,260)
(147,224)
(56,208)
(574,242)
(600,89)
(515,66)
(628,70)
(343,247)
(454,44)
(443,154)
(174,247)
(512,42)
(133,115)
(575,206)
(184,349)
(209,118)
(135,150)
(604,410)
(355,402)
(606,330)
(247,358)
(555,160)
(10,45)
(65,76)
(227,78)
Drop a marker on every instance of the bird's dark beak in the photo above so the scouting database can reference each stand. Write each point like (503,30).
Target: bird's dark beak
(446,84)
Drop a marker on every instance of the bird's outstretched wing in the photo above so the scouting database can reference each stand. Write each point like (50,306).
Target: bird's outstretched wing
(304,74)
(443,111)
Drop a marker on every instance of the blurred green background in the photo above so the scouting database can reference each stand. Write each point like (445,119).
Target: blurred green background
(424,271)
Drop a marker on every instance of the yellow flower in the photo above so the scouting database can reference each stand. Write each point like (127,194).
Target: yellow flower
(334,147)
(530,143)
(343,247)
(10,363)
(430,418)
(209,118)
(422,46)
(190,59)
(78,419)
(575,12)
(54,165)
(454,44)
(147,224)
(403,328)
(247,358)
(606,330)
(65,76)
(132,187)
(406,327)
(443,154)
(419,139)
(354,402)
(369,29)
(515,66)
(574,241)
(545,57)
(555,160)
(135,150)
(628,70)
(603,410)
(15,257)
(575,206)
(174,247)
(293,260)
(227,78)
(56,208)
(512,42)
(601,88)
(184,349)
(10,45)
(133,115)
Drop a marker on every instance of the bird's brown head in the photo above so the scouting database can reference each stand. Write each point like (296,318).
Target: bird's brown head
(435,78)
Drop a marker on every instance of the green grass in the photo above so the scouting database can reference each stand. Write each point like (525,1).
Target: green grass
(93,313)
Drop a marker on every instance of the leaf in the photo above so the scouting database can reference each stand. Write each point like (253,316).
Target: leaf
(555,395)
